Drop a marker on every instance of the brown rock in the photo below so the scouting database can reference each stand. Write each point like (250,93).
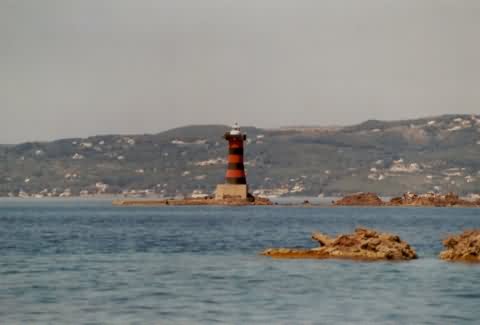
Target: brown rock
(396,201)
(321,238)
(368,199)
(363,244)
(293,253)
(191,201)
(261,201)
(462,247)
(431,199)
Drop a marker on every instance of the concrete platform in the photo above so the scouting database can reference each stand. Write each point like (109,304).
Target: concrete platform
(231,191)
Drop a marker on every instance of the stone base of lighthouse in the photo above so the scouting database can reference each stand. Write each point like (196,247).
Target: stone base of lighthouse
(231,191)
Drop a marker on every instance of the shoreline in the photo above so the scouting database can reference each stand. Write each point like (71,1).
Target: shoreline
(285,202)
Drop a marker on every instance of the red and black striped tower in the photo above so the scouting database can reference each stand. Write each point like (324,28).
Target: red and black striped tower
(236,169)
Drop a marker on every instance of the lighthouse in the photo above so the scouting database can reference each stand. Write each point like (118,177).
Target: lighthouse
(235,186)
(236,169)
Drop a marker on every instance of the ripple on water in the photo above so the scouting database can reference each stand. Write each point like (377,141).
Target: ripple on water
(97,264)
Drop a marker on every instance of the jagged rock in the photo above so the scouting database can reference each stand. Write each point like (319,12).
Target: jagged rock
(431,199)
(462,247)
(363,244)
(321,238)
(396,201)
(408,199)
(369,199)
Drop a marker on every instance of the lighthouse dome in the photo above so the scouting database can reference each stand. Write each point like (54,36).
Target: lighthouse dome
(235,129)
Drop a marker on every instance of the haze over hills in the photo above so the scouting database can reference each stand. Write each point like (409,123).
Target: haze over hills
(438,154)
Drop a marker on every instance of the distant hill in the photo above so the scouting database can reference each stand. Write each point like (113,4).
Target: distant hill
(430,154)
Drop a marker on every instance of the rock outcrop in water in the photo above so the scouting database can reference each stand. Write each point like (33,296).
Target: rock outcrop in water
(362,244)
(431,199)
(462,247)
(193,202)
(367,199)
(408,199)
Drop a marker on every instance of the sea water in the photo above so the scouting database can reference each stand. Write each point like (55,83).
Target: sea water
(86,262)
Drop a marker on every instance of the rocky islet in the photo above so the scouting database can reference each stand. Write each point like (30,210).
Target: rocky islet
(372,245)
(407,199)
(362,244)
(462,247)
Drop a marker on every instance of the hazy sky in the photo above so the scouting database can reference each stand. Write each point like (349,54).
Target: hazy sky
(85,67)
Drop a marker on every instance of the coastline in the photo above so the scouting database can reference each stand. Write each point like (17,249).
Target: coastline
(281,202)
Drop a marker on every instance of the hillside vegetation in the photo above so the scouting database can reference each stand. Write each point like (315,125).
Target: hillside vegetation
(438,154)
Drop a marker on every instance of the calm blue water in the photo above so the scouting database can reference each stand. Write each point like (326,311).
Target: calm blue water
(77,262)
